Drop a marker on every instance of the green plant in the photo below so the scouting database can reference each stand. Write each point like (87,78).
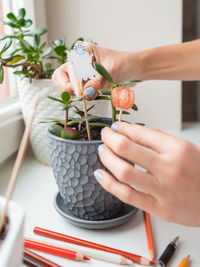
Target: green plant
(24,50)
(70,127)
(106,94)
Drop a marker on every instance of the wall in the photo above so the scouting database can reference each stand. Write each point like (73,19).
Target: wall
(127,25)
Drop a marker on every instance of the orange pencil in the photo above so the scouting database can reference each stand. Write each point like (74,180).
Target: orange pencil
(149,235)
(185,262)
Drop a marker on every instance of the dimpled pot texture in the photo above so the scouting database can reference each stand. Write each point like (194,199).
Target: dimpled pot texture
(74,163)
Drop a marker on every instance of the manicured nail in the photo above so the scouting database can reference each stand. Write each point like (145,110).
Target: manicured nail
(90,92)
(98,176)
(74,93)
(114,127)
(101,149)
(102,131)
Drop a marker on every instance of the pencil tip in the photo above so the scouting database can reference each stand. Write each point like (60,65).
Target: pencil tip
(86,258)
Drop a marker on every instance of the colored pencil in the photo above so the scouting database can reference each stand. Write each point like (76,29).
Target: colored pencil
(61,252)
(39,259)
(185,262)
(30,262)
(149,235)
(69,239)
(89,252)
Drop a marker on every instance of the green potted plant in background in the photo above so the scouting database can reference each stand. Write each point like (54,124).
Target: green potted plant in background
(74,158)
(31,60)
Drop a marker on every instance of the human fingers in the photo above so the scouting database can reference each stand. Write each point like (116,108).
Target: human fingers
(125,172)
(150,138)
(122,146)
(65,80)
(124,192)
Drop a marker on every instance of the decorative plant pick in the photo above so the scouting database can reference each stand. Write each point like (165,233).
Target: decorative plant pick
(122,98)
(81,62)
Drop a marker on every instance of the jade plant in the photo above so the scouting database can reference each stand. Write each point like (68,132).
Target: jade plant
(75,127)
(24,51)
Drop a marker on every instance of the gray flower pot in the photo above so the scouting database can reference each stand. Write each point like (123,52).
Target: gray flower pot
(74,163)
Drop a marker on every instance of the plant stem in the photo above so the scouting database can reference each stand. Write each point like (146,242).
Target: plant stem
(114,113)
(34,67)
(66,118)
(120,115)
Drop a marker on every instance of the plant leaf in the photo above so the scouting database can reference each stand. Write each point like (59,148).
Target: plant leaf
(27,23)
(65,96)
(17,72)
(78,98)
(95,124)
(134,107)
(11,24)
(103,72)
(103,98)
(82,119)
(105,92)
(123,112)
(55,99)
(1,74)
(48,66)
(25,45)
(48,120)
(55,129)
(21,13)
(11,16)
(66,106)
(7,36)
(5,45)
(90,108)
(36,40)
(126,82)
(16,59)
(60,50)
(46,52)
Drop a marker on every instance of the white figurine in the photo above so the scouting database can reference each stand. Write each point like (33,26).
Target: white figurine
(81,62)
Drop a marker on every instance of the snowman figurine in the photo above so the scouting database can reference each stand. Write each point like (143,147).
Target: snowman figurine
(81,62)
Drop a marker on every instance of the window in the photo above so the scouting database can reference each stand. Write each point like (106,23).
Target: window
(5,91)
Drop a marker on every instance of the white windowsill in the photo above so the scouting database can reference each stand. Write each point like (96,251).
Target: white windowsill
(11,128)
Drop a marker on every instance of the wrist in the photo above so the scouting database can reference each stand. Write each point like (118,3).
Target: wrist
(132,65)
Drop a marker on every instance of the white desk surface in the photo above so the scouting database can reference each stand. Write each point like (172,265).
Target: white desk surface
(36,189)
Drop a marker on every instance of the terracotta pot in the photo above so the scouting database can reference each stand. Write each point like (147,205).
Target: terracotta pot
(12,244)
(74,163)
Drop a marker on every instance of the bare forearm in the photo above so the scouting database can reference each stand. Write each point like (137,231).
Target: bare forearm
(172,62)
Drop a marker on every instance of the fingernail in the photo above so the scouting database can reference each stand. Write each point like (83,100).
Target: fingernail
(90,91)
(74,93)
(102,131)
(114,127)
(101,149)
(98,176)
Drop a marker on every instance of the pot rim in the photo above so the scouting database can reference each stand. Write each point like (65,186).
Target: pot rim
(75,141)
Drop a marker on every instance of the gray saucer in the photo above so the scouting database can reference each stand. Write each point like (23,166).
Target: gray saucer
(120,218)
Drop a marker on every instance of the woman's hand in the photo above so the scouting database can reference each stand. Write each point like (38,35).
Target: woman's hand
(120,65)
(170,186)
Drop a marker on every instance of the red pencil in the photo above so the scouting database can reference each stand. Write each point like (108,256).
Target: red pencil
(149,235)
(133,257)
(40,259)
(61,252)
